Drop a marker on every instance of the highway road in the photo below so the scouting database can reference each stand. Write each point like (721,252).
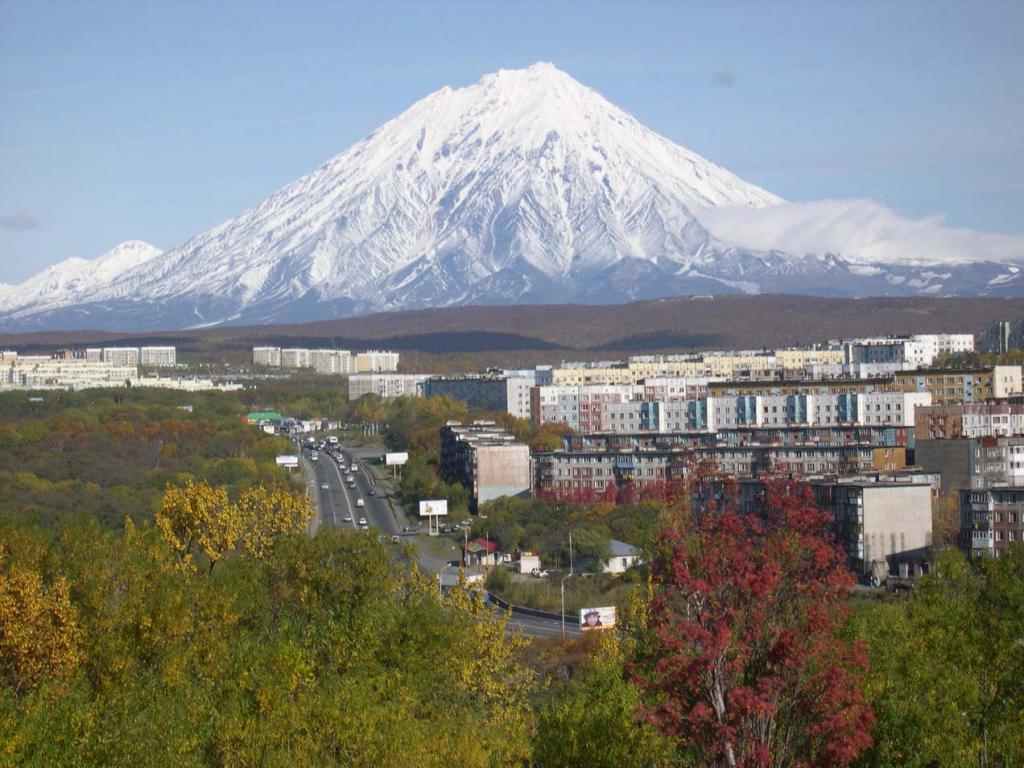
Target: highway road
(337,506)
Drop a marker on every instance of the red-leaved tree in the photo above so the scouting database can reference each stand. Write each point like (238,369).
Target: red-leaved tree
(743,658)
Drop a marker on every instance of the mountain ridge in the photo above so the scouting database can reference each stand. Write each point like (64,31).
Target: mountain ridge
(526,187)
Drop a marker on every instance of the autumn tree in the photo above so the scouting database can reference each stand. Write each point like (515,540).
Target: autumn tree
(200,517)
(39,634)
(743,659)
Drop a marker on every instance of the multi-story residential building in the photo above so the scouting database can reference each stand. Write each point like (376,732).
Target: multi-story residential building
(94,354)
(982,462)
(332,361)
(269,356)
(385,385)
(376,361)
(44,372)
(1001,336)
(485,460)
(991,520)
(617,409)
(594,474)
(883,523)
(296,358)
(890,437)
(918,350)
(121,356)
(994,418)
(490,392)
(966,385)
(157,357)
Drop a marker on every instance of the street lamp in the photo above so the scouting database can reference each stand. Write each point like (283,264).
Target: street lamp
(563,585)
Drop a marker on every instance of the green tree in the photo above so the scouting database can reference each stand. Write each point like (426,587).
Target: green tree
(947,681)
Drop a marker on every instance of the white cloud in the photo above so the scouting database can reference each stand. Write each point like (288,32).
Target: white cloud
(859,230)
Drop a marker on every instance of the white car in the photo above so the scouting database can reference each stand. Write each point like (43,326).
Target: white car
(347,519)
(360,503)
(354,468)
(324,486)
(362,522)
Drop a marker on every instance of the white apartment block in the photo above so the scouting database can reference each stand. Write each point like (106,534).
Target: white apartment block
(296,358)
(611,410)
(333,361)
(157,357)
(121,355)
(44,372)
(270,356)
(385,385)
(329,361)
(917,350)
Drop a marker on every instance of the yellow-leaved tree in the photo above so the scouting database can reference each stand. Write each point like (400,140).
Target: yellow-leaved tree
(200,516)
(39,634)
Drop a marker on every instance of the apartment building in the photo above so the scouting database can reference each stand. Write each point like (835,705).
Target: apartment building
(158,357)
(485,460)
(890,437)
(991,520)
(510,394)
(1001,336)
(269,356)
(918,350)
(967,385)
(296,358)
(588,475)
(376,361)
(45,372)
(883,522)
(332,361)
(121,356)
(994,418)
(618,409)
(982,462)
(385,385)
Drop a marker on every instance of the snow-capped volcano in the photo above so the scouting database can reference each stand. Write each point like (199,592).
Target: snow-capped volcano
(524,187)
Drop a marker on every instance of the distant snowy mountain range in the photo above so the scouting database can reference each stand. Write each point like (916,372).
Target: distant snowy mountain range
(526,187)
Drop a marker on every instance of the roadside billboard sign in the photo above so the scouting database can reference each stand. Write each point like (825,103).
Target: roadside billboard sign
(286,460)
(396,459)
(434,508)
(597,618)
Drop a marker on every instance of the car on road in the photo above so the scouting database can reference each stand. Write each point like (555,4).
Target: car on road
(347,519)
(324,487)
(350,479)
(362,522)
(354,468)
(540,573)
(360,503)
(372,492)
(396,539)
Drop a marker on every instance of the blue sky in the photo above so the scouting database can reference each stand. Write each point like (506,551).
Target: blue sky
(157,121)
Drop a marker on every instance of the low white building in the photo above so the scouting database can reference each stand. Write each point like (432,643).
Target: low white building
(624,556)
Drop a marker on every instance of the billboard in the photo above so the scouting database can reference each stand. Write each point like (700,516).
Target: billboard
(395,459)
(434,508)
(288,461)
(597,618)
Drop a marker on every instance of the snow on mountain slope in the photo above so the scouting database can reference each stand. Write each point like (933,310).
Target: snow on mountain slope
(524,187)
(69,280)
